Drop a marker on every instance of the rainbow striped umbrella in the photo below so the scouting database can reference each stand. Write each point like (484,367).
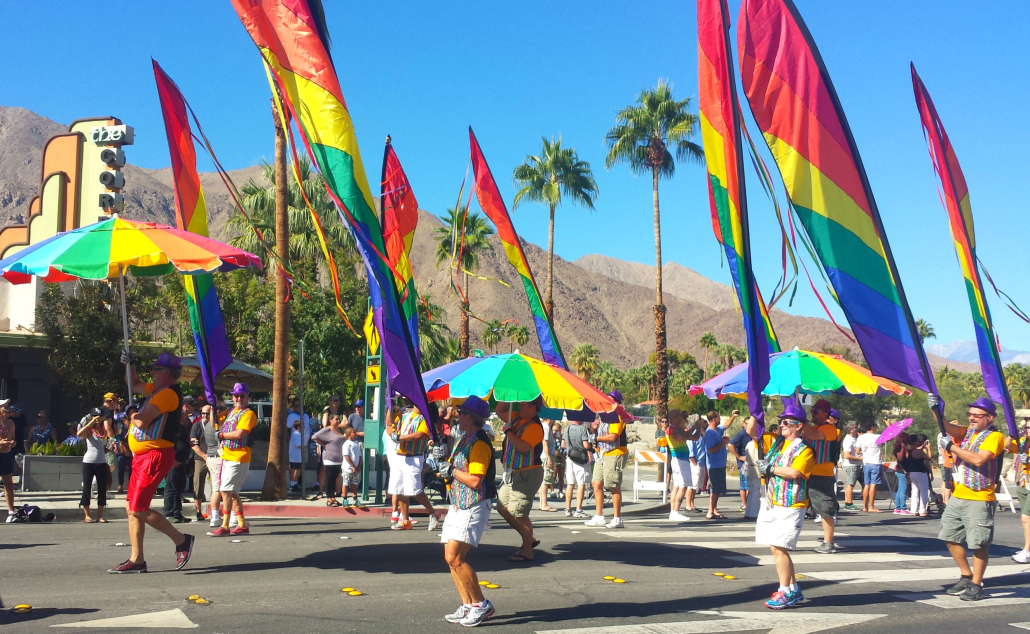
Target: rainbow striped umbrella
(800,371)
(515,378)
(108,248)
(114,246)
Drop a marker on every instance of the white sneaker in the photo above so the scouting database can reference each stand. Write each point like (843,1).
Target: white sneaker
(676,516)
(232,521)
(597,520)
(1022,557)
(459,614)
(579,514)
(818,518)
(434,522)
(568,513)
(615,523)
(216,520)
(478,613)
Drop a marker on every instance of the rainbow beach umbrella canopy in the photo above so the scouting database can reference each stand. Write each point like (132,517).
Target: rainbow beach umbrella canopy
(801,371)
(515,378)
(116,245)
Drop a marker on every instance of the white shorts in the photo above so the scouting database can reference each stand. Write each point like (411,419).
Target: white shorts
(406,475)
(576,474)
(232,476)
(779,525)
(698,477)
(214,470)
(681,476)
(468,526)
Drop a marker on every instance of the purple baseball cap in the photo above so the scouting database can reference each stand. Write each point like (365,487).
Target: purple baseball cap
(834,414)
(477,406)
(985,404)
(240,389)
(168,360)
(794,412)
(616,396)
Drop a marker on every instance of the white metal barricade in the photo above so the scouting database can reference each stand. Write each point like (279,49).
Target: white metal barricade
(650,457)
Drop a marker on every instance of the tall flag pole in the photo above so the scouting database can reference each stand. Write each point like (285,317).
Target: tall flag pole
(489,197)
(720,132)
(399,213)
(294,42)
(960,218)
(191,215)
(801,118)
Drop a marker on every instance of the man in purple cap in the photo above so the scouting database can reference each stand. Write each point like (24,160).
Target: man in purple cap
(786,471)
(470,472)
(968,520)
(154,428)
(233,436)
(824,439)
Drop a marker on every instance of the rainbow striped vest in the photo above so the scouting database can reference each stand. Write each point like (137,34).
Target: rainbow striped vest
(519,460)
(460,494)
(781,491)
(604,447)
(821,448)
(409,425)
(165,426)
(1022,477)
(977,478)
(231,421)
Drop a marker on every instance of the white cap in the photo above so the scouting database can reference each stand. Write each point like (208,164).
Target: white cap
(4,402)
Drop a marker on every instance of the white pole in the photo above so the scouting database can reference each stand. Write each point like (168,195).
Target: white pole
(125,331)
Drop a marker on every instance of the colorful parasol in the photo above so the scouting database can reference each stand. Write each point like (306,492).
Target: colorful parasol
(805,372)
(893,431)
(114,246)
(515,378)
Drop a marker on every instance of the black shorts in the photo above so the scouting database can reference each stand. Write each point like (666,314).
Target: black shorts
(823,494)
(295,466)
(949,480)
(717,478)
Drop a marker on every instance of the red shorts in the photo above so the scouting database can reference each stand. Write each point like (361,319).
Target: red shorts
(148,470)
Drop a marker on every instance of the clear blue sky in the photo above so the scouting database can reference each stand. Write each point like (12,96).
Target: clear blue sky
(424,71)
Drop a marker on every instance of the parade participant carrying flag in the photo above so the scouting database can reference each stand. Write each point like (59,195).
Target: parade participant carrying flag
(294,42)
(801,118)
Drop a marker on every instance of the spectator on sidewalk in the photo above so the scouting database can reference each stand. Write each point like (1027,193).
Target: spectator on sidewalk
(351,467)
(852,463)
(95,433)
(678,442)
(968,520)
(900,449)
(715,442)
(357,420)
(296,455)
(917,466)
(201,452)
(21,428)
(754,498)
(872,466)
(786,471)
(331,440)
(547,458)
(213,460)
(1020,446)
(42,432)
(698,468)
(738,447)
(7,457)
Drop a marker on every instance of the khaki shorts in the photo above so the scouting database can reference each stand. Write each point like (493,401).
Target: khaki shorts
(517,496)
(1024,500)
(233,475)
(969,521)
(612,467)
(597,470)
(200,479)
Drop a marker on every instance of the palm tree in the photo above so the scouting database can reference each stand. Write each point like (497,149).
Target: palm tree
(739,355)
(642,137)
(607,377)
(259,202)
(476,231)
(433,334)
(708,342)
(518,336)
(925,330)
(545,179)
(493,333)
(585,358)
(946,373)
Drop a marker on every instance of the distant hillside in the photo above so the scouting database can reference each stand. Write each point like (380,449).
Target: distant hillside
(967,351)
(598,299)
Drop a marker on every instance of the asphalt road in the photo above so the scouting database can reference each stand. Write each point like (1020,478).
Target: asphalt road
(288,574)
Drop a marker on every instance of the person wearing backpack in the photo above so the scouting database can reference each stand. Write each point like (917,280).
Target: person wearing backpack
(576,442)
(471,474)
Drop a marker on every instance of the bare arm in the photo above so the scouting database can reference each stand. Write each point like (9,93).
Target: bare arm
(976,459)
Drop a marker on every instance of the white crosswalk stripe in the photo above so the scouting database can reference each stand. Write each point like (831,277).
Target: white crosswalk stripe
(890,575)
(994,597)
(739,545)
(702,532)
(727,621)
(844,558)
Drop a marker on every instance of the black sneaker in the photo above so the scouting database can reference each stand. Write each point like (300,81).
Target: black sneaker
(179,519)
(973,592)
(960,587)
(128,567)
(200,518)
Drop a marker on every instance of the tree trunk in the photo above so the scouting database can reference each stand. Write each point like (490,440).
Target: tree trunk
(661,365)
(549,304)
(704,373)
(275,470)
(464,336)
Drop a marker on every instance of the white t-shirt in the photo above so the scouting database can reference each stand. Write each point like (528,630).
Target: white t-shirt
(352,450)
(295,442)
(305,427)
(849,447)
(870,450)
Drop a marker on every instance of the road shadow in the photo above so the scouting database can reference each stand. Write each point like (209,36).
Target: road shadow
(18,546)
(8,617)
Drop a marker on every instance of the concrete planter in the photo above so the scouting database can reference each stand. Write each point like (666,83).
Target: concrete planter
(51,473)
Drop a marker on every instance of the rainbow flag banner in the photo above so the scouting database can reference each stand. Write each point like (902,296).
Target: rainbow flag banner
(191,215)
(399,211)
(292,38)
(960,217)
(720,133)
(801,118)
(490,200)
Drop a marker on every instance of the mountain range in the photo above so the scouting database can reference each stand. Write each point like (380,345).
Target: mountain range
(967,351)
(598,299)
